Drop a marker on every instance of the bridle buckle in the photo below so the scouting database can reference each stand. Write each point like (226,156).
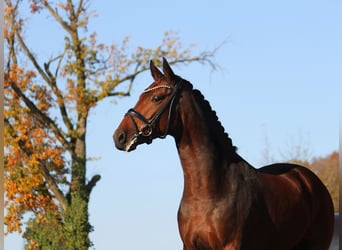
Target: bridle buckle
(145,130)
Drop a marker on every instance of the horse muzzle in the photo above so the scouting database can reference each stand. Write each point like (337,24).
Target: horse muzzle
(128,143)
(122,142)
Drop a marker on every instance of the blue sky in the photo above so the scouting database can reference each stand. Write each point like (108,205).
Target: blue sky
(280,82)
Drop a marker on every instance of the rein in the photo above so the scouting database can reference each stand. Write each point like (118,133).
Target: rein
(147,129)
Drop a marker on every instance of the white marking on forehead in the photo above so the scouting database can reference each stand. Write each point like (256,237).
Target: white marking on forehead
(157,87)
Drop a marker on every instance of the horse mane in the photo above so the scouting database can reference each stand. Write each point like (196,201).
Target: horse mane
(211,115)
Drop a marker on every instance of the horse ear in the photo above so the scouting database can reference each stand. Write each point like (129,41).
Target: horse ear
(169,75)
(155,72)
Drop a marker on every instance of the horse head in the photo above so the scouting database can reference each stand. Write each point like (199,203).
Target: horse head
(152,116)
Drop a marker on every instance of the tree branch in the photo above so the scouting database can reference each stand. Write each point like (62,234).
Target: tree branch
(59,95)
(49,79)
(32,58)
(44,119)
(92,183)
(202,58)
(79,8)
(64,24)
(71,9)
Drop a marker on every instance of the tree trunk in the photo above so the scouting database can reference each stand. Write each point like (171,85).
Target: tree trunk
(76,217)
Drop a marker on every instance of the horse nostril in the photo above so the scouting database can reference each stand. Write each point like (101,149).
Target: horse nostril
(122,138)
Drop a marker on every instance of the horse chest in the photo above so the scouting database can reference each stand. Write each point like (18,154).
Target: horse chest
(204,225)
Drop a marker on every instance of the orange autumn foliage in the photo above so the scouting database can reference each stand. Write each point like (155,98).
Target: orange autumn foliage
(28,145)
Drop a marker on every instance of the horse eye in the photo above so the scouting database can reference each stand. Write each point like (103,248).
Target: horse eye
(157,98)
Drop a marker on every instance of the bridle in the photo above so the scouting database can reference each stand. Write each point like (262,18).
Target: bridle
(146,131)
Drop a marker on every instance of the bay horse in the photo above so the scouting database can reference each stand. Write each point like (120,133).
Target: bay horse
(226,203)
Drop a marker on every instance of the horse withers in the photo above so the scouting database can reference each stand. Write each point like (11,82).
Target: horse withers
(226,203)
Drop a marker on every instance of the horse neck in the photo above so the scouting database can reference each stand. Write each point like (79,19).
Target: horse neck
(205,151)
